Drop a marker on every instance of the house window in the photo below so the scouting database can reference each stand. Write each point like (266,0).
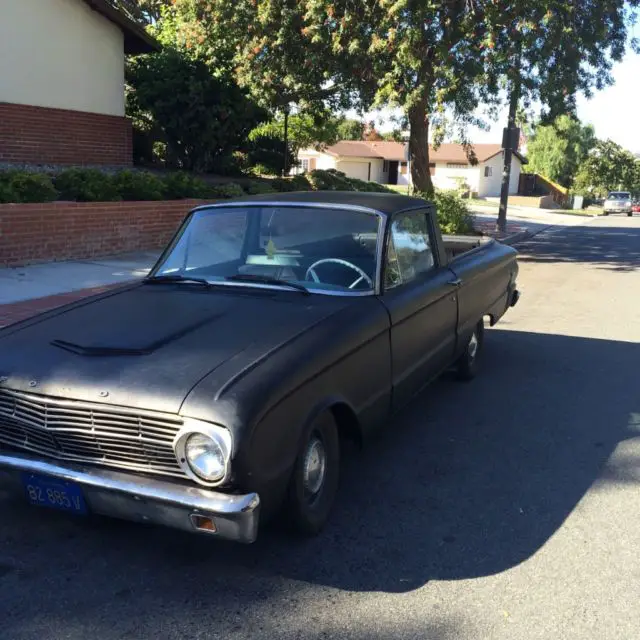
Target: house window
(305,165)
(488,172)
(456,165)
(403,168)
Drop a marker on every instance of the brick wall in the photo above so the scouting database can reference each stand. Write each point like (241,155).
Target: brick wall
(69,230)
(38,135)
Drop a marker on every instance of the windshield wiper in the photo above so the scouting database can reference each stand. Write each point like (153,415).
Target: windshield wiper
(175,277)
(248,277)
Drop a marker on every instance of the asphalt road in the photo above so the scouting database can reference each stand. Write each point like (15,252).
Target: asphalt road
(504,508)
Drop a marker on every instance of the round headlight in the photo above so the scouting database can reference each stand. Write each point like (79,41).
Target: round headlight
(205,456)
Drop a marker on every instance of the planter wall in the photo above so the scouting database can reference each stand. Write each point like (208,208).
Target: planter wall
(54,231)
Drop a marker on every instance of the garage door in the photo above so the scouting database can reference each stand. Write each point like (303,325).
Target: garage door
(358,170)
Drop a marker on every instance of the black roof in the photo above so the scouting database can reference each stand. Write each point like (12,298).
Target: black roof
(387,203)
(136,39)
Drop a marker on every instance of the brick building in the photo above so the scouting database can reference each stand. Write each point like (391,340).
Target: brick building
(62,81)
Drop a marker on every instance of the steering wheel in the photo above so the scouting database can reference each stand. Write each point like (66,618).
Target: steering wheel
(314,276)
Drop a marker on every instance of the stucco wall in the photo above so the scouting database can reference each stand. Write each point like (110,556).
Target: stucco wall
(444,177)
(490,187)
(61,54)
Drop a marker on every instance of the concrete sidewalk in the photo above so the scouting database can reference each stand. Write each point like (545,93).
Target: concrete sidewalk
(53,278)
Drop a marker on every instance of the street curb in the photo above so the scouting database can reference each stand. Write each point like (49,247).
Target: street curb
(519,236)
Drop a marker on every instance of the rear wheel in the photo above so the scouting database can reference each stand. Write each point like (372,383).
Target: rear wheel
(468,363)
(314,481)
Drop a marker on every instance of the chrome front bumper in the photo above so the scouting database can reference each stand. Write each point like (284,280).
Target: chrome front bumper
(145,499)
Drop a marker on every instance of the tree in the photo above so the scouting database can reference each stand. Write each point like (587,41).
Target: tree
(557,149)
(201,118)
(350,129)
(143,11)
(430,59)
(305,130)
(608,167)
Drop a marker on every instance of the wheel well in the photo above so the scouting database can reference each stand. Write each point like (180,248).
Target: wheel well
(348,423)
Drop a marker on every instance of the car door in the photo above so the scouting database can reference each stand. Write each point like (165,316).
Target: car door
(421,298)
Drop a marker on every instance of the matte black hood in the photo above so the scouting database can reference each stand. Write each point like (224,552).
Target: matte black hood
(149,345)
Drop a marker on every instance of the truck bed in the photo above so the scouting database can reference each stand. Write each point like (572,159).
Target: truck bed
(456,246)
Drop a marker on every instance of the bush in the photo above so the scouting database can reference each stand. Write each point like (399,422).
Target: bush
(255,188)
(453,214)
(229,190)
(23,186)
(183,185)
(138,185)
(369,187)
(301,183)
(329,180)
(86,185)
(265,155)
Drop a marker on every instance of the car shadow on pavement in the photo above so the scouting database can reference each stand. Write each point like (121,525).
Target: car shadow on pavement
(469,481)
(613,248)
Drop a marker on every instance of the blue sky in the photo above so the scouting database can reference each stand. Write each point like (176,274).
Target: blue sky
(614,112)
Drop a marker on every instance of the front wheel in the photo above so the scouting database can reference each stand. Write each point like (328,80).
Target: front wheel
(468,363)
(315,477)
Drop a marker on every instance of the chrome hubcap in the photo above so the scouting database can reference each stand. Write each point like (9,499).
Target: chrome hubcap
(315,461)
(472,349)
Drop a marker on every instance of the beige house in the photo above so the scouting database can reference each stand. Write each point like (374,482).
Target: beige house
(62,81)
(387,163)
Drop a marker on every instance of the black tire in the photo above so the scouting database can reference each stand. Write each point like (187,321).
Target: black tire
(630,213)
(308,506)
(468,363)
(605,213)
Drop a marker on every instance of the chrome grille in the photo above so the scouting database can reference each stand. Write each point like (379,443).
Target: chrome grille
(85,432)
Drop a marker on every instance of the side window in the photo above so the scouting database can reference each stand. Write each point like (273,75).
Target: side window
(409,251)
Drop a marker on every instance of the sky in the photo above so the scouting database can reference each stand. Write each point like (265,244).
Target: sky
(614,112)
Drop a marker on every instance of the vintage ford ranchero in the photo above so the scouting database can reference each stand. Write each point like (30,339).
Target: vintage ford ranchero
(217,391)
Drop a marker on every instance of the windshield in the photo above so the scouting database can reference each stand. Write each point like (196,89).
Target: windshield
(326,250)
(619,195)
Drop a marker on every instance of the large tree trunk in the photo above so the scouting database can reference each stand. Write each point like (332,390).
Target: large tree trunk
(419,149)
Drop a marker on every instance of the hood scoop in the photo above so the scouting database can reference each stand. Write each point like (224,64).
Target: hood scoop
(131,347)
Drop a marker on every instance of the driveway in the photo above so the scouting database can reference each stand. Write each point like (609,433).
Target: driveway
(508,507)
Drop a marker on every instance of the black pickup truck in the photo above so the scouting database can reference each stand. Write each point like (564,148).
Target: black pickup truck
(219,390)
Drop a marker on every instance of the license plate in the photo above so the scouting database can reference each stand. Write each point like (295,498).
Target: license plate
(45,491)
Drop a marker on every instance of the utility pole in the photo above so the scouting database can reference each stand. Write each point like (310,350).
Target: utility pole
(285,163)
(510,138)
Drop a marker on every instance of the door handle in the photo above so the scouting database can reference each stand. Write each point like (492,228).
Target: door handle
(455,283)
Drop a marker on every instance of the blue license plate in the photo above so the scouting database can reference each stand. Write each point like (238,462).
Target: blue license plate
(45,491)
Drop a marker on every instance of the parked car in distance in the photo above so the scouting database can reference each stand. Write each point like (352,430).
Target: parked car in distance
(635,207)
(218,391)
(618,202)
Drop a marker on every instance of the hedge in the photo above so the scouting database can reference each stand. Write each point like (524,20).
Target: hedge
(93,185)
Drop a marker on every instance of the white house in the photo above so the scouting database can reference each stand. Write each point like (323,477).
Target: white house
(62,81)
(387,163)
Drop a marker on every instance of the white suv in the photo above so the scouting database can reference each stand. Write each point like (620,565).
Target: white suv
(618,202)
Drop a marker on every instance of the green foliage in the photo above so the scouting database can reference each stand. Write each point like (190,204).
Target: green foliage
(301,182)
(228,190)
(556,150)
(453,214)
(23,186)
(304,130)
(267,152)
(330,180)
(138,185)
(608,167)
(178,100)
(181,184)
(256,187)
(86,185)
(350,129)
